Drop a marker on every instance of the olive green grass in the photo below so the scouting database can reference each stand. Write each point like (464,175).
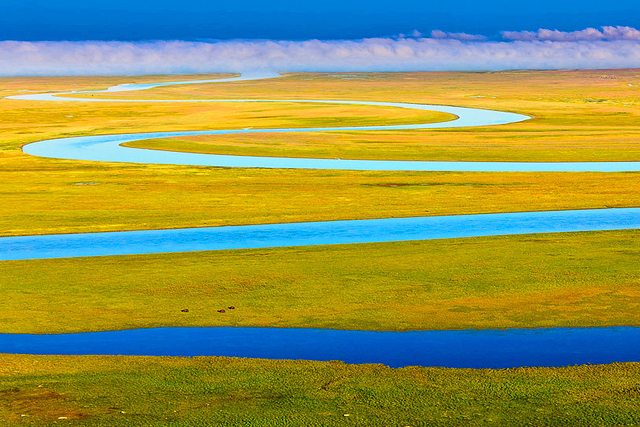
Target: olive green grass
(546,280)
(527,281)
(209,391)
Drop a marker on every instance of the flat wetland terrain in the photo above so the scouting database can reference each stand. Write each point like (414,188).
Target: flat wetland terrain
(545,280)
(209,391)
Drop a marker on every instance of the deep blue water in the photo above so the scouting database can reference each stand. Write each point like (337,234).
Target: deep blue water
(314,233)
(456,349)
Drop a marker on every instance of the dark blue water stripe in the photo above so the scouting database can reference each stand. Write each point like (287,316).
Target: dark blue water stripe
(456,349)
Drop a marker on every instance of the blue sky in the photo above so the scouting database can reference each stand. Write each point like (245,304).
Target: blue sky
(299,20)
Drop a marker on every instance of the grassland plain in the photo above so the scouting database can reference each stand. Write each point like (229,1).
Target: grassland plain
(43,196)
(578,116)
(577,279)
(208,391)
(549,280)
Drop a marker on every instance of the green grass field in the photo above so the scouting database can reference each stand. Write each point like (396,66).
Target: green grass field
(145,391)
(549,280)
(43,196)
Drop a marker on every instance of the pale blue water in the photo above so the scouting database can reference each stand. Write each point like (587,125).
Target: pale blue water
(107,147)
(314,233)
(456,349)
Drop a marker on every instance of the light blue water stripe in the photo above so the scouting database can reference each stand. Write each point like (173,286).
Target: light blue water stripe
(314,233)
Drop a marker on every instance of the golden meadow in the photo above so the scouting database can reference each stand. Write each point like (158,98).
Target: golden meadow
(572,279)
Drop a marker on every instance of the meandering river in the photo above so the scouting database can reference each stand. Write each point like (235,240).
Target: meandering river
(479,349)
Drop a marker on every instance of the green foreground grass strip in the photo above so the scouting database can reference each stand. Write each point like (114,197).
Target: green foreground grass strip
(137,391)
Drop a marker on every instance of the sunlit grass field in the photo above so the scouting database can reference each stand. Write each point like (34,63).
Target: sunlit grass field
(44,196)
(569,279)
(579,146)
(577,116)
(546,280)
(207,391)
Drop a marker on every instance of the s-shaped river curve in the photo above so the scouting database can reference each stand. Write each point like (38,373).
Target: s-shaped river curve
(479,349)
(108,148)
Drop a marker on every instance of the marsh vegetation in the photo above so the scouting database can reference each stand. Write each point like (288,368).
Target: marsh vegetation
(577,279)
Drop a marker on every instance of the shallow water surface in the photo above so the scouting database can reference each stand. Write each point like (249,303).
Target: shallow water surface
(314,233)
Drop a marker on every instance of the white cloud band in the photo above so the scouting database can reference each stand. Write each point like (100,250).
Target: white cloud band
(613,47)
(588,34)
